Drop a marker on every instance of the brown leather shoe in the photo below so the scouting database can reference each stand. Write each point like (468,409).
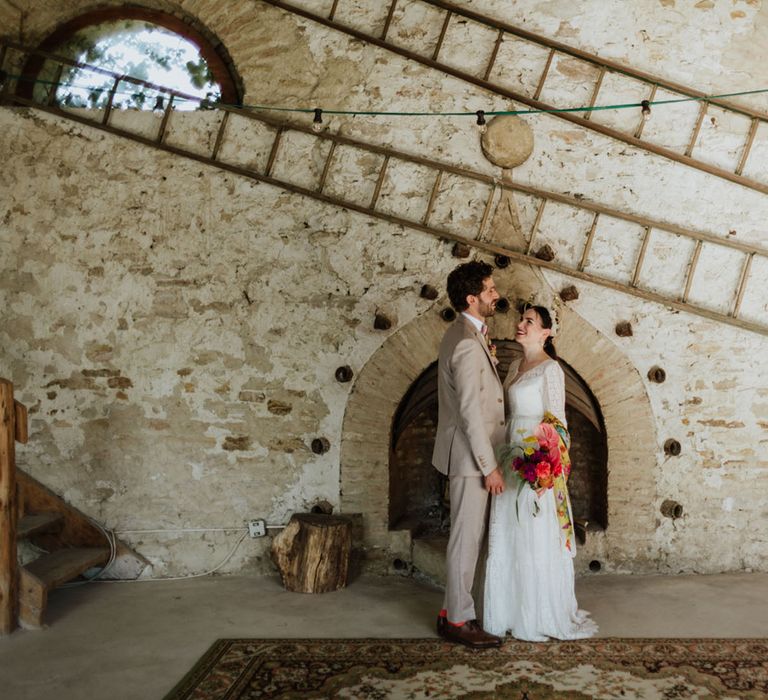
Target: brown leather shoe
(471,634)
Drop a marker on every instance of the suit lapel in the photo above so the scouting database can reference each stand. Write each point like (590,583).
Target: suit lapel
(481,339)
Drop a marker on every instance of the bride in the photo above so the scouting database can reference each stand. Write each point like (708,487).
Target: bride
(529,581)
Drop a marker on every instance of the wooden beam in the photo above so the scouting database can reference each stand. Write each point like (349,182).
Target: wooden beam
(9,591)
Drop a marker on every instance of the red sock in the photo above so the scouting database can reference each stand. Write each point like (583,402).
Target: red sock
(444,613)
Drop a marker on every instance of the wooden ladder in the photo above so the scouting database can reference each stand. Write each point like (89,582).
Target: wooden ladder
(494,36)
(275,142)
(24,589)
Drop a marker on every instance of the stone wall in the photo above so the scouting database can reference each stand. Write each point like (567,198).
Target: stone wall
(175,329)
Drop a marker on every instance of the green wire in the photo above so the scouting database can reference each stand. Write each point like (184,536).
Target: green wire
(367,113)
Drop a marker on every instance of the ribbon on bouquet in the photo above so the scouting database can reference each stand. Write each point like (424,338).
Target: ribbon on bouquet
(560,488)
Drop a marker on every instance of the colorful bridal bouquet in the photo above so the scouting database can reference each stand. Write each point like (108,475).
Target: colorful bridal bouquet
(541,461)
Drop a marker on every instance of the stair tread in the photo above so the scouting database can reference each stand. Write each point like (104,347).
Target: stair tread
(30,524)
(66,564)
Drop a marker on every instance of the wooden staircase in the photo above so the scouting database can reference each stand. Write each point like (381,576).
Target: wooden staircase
(30,511)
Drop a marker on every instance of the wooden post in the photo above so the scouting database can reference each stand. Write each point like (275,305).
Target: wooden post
(8,565)
(312,553)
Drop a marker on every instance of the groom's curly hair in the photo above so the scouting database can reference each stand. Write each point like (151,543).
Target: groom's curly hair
(466,279)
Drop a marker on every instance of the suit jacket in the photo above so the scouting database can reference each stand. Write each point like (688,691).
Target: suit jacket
(470,420)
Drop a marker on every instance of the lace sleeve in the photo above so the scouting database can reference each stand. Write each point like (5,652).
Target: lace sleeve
(554,391)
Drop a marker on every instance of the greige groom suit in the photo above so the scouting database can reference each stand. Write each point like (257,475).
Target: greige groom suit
(470,425)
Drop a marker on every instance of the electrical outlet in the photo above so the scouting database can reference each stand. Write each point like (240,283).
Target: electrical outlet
(257,528)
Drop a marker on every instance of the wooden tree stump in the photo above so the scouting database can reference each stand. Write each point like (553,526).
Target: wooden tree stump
(312,553)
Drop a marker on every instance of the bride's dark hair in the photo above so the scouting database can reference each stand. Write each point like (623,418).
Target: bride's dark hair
(546,322)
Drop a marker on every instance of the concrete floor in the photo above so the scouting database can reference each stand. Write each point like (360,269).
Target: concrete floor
(134,641)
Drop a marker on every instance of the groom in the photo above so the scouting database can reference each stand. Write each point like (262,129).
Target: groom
(470,425)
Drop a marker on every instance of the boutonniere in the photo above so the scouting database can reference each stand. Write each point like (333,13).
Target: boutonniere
(492,350)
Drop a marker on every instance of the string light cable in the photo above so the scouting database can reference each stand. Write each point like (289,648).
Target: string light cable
(317,112)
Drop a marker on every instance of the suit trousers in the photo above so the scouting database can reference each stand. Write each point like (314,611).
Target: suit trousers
(469,514)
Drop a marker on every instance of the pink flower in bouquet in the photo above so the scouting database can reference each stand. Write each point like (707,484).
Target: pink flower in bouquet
(543,469)
(548,438)
(544,478)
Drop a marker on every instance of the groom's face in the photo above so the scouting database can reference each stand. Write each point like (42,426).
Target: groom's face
(486,300)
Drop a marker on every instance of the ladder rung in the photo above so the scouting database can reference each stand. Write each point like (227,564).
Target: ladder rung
(110,100)
(702,111)
(432,197)
(273,151)
(691,270)
(543,77)
(748,145)
(327,166)
(164,121)
(388,21)
(486,212)
(220,135)
(742,284)
(379,182)
(641,256)
(588,243)
(439,44)
(535,226)
(494,54)
(641,125)
(598,85)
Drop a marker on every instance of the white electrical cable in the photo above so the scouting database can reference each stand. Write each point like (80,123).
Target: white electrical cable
(196,529)
(111,538)
(183,529)
(110,535)
(179,578)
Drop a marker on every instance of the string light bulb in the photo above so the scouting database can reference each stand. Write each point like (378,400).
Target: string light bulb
(317,121)
(3,78)
(482,127)
(645,107)
(159,107)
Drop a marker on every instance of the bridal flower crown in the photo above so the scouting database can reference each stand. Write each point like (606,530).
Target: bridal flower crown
(549,303)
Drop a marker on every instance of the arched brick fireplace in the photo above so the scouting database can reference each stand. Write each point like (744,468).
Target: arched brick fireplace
(416,500)
(618,389)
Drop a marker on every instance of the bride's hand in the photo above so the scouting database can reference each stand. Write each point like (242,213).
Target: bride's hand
(540,492)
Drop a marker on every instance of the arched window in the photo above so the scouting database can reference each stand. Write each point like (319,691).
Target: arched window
(144,44)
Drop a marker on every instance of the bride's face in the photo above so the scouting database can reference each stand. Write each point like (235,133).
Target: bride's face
(530,332)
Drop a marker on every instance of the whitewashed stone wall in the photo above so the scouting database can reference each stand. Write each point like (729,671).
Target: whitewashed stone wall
(175,329)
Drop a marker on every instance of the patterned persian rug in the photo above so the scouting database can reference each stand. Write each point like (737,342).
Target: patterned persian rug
(429,669)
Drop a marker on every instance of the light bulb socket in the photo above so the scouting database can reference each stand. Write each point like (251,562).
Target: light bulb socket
(482,126)
(317,120)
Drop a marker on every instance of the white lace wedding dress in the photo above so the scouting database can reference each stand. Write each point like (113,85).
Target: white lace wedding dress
(529,580)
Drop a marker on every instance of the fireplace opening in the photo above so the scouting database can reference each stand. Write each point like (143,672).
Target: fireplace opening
(417,491)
